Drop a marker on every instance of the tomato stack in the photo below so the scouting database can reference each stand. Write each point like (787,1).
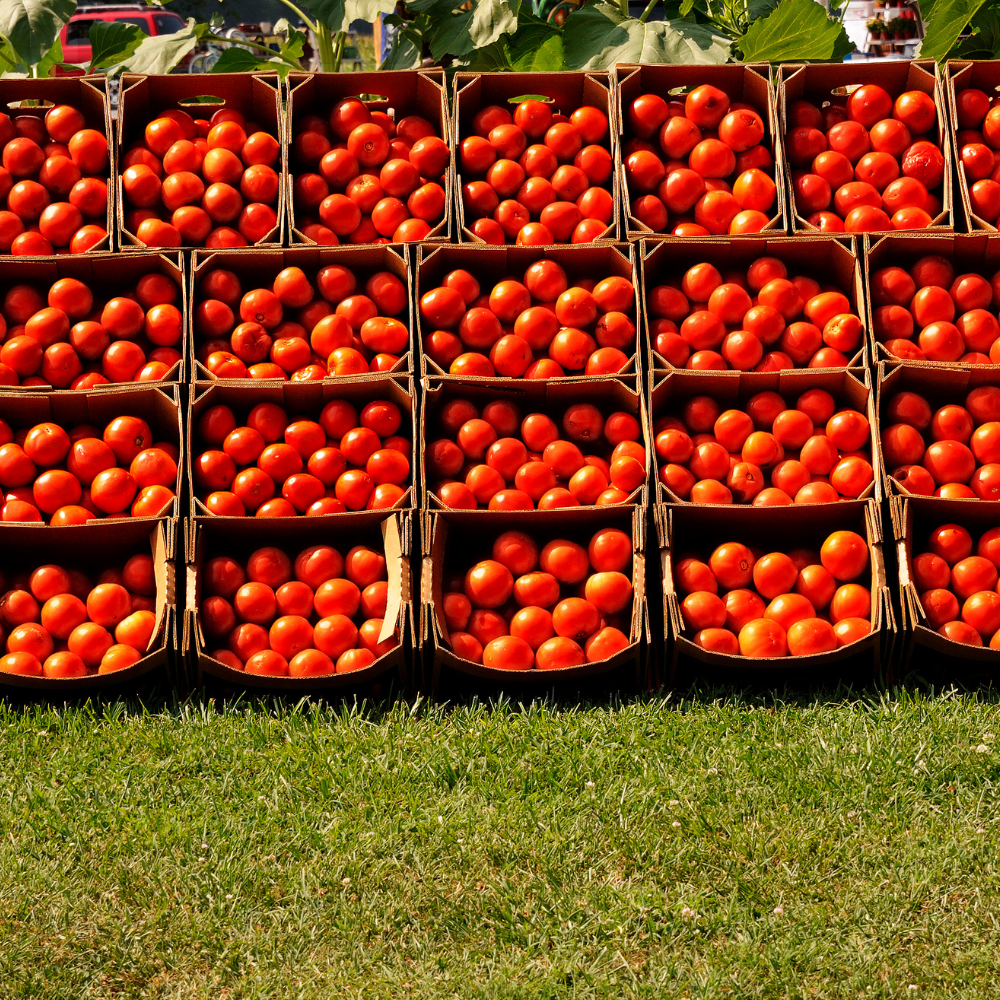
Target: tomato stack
(697,152)
(374,168)
(973,100)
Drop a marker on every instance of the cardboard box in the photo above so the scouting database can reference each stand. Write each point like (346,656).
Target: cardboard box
(89,95)
(830,260)
(958,75)
(749,84)
(913,518)
(833,82)
(93,548)
(939,387)
(396,92)
(107,275)
(490,264)
(258,269)
(552,397)
(976,252)
(454,541)
(301,399)
(238,537)
(691,529)
(160,408)
(566,91)
(851,388)
(256,96)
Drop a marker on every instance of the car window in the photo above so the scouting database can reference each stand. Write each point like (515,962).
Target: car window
(78,32)
(167,24)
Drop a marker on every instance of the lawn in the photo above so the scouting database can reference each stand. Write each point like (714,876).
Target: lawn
(838,846)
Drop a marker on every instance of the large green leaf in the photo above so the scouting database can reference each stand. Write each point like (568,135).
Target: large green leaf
(406,52)
(10,61)
(947,21)
(465,31)
(536,46)
(237,60)
(161,53)
(338,15)
(599,35)
(112,42)
(32,26)
(796,31)
(984,40)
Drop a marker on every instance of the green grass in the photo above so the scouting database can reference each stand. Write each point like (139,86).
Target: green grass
(703,849)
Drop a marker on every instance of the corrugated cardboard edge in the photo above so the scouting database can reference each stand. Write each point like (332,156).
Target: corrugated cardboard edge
(825,517)
(397,536)
(539,524)
(691,76)
(516,84)
(187,87)
(733,388)
(162,546)
(353,84)
(437,260)
(310,259)
(856,73)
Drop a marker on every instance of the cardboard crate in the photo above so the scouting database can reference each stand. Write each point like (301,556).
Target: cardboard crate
(238,537)
(819,83)
(851,388)
(939,387)
(160,408)
(301,399)
(396,92)
(695,530)
(552,397)
(258,269)
(566,91)
(913,518)
(93,548)
(257,96)
(958,75)
(829,260)
(749,84)
(106,275)
(490,264)
(454,541)
(975,252)
(89,95)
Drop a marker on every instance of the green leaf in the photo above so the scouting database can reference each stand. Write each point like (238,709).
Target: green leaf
(10,63)
(112,42)
(465,31)
(32,26)
(599,35)
(984,42)
(536,46)
(948,20)
(293,48)
(161,53)
(338,15)
(795,31)
(406,52)
(51,59)
(237,60)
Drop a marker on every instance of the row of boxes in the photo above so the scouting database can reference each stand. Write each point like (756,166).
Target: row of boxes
(278,106)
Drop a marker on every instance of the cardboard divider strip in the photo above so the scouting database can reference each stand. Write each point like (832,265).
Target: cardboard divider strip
(397,92)
(238,537)
(830,260)
(567,90)
(89,95)
(818,83)
(257,96)
(490,264)
(106,274)
(93,548)
(692,529)
(749,83)
(850,388)
(303,399)
(263,266)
